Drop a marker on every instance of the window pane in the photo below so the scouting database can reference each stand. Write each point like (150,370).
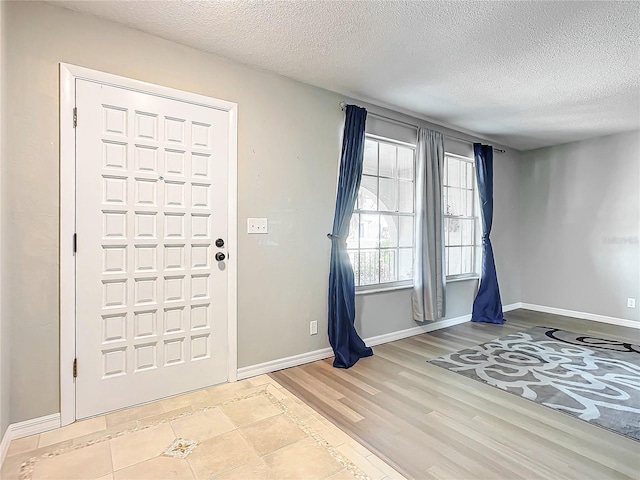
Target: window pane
(369,230)
(369,267)
(405,264)
(405,163)
(446,231)
(388,266)
(470,173)
(454,204)
(368,193)
(469,200)
(387,160)
(453,227)
(388,230)
(453,172)
(454,261)
(406,232)
(353,258)
(370,163)
(467,259)
(388,195)
(467,231)
(352,239)
(405,197)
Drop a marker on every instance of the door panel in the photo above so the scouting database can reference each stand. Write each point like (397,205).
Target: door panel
(151,300)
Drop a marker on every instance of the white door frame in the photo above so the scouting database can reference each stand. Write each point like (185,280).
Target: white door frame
(68,75)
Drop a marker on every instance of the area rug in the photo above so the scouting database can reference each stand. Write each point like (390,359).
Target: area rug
(594,379)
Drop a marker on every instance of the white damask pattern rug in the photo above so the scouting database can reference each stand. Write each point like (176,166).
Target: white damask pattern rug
(594,379)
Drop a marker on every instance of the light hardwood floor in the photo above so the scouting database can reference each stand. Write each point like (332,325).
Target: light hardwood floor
(431,423)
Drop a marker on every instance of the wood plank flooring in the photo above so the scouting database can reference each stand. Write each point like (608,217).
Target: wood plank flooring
(430,423)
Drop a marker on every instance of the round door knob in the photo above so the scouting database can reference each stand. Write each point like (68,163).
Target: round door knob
(219,243)
(220,256)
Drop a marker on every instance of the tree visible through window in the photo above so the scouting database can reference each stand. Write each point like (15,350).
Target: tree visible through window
(380,242)
(461,210)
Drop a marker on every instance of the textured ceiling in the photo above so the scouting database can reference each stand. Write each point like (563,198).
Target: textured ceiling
(527,74)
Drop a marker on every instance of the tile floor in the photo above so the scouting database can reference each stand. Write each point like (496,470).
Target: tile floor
(253,429)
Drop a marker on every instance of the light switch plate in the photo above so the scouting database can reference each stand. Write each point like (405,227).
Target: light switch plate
(257,225)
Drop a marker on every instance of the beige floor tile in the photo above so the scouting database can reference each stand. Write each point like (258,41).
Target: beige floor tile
(203,426)
(84,463)
(271,434)
(254,470)
(197,399)
(298,409)
(363,463)
(220,454)
(100,434)
(250,410)
(108,476)
(342,475)
(331,434)
(164,416)
(23,445)
(158,468)
(304,459)
(263,380)
(11,468)
(222,393)
(135,413)
(361,449)
(139,446)
(77,429)
(386,469)
(277,392)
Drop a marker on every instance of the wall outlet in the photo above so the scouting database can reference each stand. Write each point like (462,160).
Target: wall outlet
(313,328)
(631,302)
(257,225)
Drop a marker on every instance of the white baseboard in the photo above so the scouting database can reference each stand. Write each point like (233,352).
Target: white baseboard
(27,428)
(4,445)
(281,363)
(301,359)
(511,306)
(622,322)
(410,332)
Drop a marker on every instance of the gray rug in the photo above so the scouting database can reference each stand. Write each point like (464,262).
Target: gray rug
(594,379)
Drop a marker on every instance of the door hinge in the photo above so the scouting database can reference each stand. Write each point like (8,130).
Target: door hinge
(75,368)
(75,243)
(75,117)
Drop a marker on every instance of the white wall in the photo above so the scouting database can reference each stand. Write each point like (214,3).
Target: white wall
(580,234)
(289,144)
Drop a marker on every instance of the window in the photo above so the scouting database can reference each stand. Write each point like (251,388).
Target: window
(461,210)
(380,242)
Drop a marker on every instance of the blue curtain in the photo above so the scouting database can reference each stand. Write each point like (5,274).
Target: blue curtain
(345,341)
(487,307)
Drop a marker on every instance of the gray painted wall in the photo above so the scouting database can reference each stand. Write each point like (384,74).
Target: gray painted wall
(288,150)
(581,226)
(288,156)
(289,143)
(4,317)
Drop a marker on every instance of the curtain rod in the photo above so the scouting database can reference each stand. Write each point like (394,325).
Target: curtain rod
(343,105)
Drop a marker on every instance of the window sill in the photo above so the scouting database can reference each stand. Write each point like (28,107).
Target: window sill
(382,289)
(462,279)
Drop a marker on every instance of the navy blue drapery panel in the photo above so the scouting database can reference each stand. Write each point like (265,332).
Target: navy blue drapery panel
(487,307)
(345,341)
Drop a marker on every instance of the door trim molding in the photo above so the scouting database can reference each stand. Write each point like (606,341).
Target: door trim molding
(68,75)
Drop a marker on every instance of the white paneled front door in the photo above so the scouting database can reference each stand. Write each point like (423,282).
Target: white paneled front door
(151,203)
